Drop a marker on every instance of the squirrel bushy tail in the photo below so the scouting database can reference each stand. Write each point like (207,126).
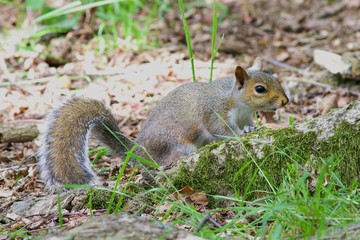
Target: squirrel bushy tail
(67,136)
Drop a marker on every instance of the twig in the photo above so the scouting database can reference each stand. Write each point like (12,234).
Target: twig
(283,65)
(25,82)
(202,222)
(65,214)
(323,85)
(208,218)
(16,167)
(304,73)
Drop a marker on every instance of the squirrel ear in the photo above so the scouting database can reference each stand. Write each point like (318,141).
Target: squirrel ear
(257,65)
(241,76)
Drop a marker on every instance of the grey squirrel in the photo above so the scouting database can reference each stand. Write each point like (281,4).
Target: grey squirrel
(188,118)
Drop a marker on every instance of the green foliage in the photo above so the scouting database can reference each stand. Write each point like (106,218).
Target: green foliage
(34,4)
(127,19)
(213,38)
(7,2)
(291,120)
(20,233)
(298,208)
(120,175)
(303,208)
(115,19)
(298,201)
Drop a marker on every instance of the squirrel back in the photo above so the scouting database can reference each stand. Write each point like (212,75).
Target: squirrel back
(189,117)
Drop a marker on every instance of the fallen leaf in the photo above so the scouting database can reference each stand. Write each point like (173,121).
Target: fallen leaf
(331,61)
(325,104)
(184,192)
(191,196)
(5,193)
(199,198)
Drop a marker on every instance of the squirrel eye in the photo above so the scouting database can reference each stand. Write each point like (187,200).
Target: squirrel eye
(260,89)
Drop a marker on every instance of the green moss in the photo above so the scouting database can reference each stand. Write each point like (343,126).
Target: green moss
(344,146)
(99,199)
(244,174)
(207,167)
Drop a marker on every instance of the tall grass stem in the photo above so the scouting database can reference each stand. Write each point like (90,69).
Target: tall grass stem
(188,41)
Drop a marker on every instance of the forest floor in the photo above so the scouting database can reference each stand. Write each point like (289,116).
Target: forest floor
(130,83)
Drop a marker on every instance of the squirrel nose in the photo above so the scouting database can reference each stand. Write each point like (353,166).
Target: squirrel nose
(285,101)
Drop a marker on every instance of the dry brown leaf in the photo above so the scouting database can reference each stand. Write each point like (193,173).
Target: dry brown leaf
(184,192)
(191,196)
(324,105)
(199,198)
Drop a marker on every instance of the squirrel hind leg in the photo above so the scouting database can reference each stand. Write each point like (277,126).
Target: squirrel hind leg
(174,153)
(180,151)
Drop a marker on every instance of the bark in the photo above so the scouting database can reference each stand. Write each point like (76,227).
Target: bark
(260,158)
(125,227)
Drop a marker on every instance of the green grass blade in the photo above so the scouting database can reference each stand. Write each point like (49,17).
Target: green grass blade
(74,7)
(143,160)
(57,12)
(213,38)
(60,211)
(121,173)
(91,194)
(188,41)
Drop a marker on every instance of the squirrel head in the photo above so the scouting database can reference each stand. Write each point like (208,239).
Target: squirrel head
(259,90)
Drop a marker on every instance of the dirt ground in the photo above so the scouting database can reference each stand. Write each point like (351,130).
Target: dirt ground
(285,33)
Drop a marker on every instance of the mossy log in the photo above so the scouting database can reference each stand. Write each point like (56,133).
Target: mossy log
(350,232)
(259,160)
(18,132)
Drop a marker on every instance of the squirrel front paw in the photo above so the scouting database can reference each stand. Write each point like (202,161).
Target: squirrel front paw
(248,129)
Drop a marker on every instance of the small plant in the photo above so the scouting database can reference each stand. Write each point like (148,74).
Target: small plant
(291,120)
(127,19)
(20,233)
(61,223)
(213,39)
(188,39)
